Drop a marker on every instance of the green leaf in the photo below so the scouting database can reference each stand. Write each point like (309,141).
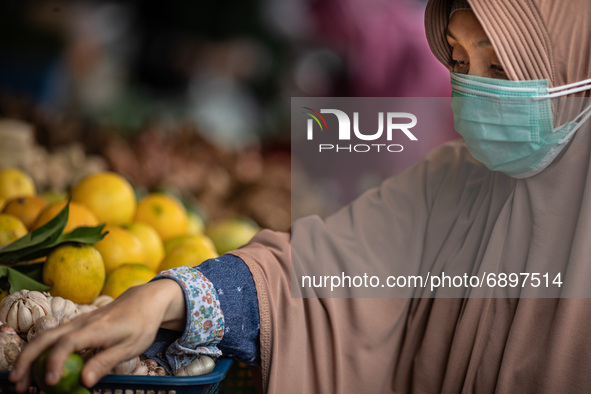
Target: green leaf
(49,230)
(41,241)
(19,281)
(85,235)
(32,270)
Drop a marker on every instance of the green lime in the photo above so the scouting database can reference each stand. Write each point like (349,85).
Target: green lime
(70,381)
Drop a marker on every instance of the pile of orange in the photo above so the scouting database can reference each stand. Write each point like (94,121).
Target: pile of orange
(145,235)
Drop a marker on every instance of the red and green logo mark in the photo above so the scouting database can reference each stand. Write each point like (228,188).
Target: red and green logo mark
(316,115)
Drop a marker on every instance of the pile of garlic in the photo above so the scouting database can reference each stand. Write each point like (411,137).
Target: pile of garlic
(25,314)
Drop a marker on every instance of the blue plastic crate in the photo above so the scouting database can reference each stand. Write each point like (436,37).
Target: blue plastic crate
(130,384)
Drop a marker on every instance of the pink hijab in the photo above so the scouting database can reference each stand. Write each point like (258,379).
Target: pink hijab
(448,208)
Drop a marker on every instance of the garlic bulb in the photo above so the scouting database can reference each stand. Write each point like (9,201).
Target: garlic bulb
(85,308)
(158,371)
(61,307)
(127,367)
(9,350)
(142,369)
(87,354)
(20,309)
(45,323)
(11,333)
(151,363)
(201,365)
(102,300)
(150,367)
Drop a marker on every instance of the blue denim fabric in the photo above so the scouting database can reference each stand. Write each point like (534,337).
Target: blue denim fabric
(238,298)
(236,291)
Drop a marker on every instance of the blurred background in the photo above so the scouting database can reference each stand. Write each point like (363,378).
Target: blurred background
(194,96)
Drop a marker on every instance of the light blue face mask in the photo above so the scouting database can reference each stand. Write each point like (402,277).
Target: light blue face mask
(507,125)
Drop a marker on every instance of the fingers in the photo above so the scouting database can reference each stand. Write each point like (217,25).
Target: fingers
(22,383)
(125,327)
(102,363)
(21,371)
(62,348)
(65,340)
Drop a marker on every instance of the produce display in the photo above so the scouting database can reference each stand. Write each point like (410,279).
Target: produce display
(57,151)
(227,196)
(69,253)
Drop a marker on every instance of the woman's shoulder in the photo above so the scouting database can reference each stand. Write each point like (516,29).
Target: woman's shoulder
(447,170)
(454,153)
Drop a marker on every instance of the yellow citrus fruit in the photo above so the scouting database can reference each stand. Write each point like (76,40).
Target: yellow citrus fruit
(119,247)
(78,216)
(190,254)
(108,195)
(11,229)
(164,213)
(15,183)
(75,272)
(230,234)
(151,241)
(52,196)
(196,223)
(200,239)
(126,276)
(27,209)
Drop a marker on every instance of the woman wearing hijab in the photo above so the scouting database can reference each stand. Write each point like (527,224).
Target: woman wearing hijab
(511,198)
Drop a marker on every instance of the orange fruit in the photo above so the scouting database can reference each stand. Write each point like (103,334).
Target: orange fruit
(163,212)
(151,241)
(78,216)
(190,253)
(75,272)
(11,229)
(26,208)
(108,195)
(119,247)
(126,276)
(15,183)
(200,239)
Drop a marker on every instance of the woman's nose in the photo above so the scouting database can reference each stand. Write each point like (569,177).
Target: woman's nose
(479,67)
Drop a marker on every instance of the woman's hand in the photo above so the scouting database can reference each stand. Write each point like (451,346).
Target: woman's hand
(122,329)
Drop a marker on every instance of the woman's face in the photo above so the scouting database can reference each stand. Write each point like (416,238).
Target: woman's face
(472,52)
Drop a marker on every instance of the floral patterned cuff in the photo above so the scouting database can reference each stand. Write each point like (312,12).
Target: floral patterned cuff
(205,320)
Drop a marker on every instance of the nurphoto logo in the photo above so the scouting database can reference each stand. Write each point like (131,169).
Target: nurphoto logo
(395,122)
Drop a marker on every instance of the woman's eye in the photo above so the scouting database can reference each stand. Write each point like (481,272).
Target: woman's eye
(460,66)
(498,68)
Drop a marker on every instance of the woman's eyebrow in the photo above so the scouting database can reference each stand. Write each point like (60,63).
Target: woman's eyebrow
(483,43)
(448,33)
(480,44)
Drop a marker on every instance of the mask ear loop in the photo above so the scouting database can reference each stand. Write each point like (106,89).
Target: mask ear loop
(570,85)
(574,87)
(585,114)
